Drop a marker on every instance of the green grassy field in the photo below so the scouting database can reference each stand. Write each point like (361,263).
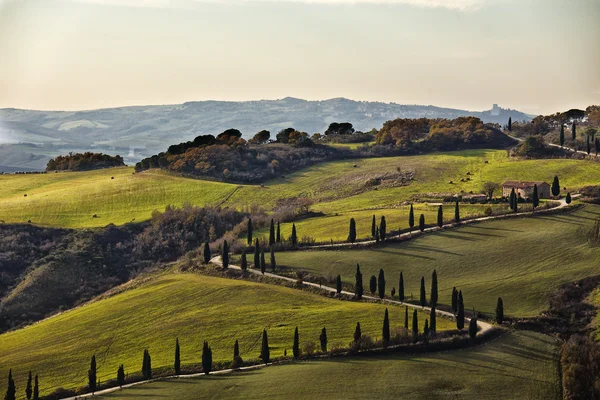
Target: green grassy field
(71,199)
(194,308)
(521,260)
(519,365)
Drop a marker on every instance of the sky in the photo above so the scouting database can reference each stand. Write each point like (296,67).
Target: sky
(537,56)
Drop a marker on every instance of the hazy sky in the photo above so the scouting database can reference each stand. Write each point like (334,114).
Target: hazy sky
(538,56)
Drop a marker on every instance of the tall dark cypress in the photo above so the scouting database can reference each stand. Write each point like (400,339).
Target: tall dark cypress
(385,334)
(426,331)
(278,235)
(513,200)
(29,388)
(434,288)
(422,223)
(423,296)
(92,377)
(555,186)
(573,132)
(249,231)
(294,237)
(381,284)
(11,389)
(323,340)
(373,227)
(401,288)
(456,212)
(225,254)
(263,264)
(244,261)
(562,135)
(473,326)
(415,327)
(411,218)
(358,286)
(338,285)
(597,145)
(273,262)
(296,345)
(500,311)
(236,350)
(373,284)
(177,363)
(121,375)
(454,300)
(509,124)
(433,320)
(352,231)
(568,198)
(377,235)
(272,233)
(206,253)
(206,358)
(440,216)
(588,145)
(406,317)
(357,333)
(265,354)
(256,254)
(382,229)
(36,388)
(535,197)
(460,316)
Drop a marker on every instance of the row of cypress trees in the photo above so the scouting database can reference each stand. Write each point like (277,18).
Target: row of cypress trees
(274,233)
(32,390)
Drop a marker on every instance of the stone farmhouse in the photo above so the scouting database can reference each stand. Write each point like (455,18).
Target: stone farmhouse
(525,189)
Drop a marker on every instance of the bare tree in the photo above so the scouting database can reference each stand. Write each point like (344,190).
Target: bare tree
(489,188)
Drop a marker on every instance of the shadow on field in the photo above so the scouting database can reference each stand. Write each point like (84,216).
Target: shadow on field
(433,249)
(396,253)
(475,226)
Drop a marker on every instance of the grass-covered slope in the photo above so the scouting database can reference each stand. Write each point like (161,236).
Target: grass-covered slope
(521,260)
(518,365)
(189,306)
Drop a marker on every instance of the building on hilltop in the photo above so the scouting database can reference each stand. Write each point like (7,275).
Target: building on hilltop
(525,188)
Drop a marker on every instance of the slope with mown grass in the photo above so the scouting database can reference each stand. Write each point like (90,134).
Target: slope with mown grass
(517,365)
(185,305)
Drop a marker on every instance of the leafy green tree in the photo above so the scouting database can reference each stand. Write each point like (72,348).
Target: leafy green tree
(434,288)
(499,311)
(256,254)
(386,329)
(433,319)
(536,197)
(381,284)
(357,333)
(263,264)
(555,186)
(382,229)
(338,285)
(406,317)
(278,235)
(401,288)
(296,346)
(225,254)
(352,231)
(456,213)
(426,331)
(272,233)
(273,262)
(92,375)
(323,340)
(562,135)
(411,218)
(568,198)
(422,223)
(294,237)
(473,326)
(440,216)
(573,133)
(415,327)
(29,389)
(265,354)
(249,231)
(121,375)
(244,261)
(177,363)
(11,389)
(206,254)
(373,284)
(423,297)
(510,124)
(454,300)
(358,286)
(206,358)
(36,388)
(460,316)
(373,226)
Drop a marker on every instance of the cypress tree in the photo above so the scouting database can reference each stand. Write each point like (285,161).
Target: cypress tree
(273,263)
(29,389)
(423,297)
(473,326)
(426,331)
(411,218)
(265,354)
(249,231)
(588,145)
(510,124)
(415,327)
(597,145)
(373,284)
(352,231)
(121,376)
(386,329)
(357,333)
(11,390)
(440,216)
(393,292)
(433,319)
(401,288)
(536,197)
(373,227)
(500,311)
(294,237)
(278,236)
(358,286)
(513,200)
(263,264)
(406,317)
(177,363)
(377,235)
(206,254)
(36,388)
(382,229)
(149,366)
(434,288)
(381,284)
(456,213)
(573,132)
(555,186)
(225,254)
(244,261)
(92,378)
(460,317)
(272,233)
(236,350)
(256,254)
(338,285)
(568,198)
(454,300)
(422,223)
(296,346)
(562,135)
(323,340)
(206,358)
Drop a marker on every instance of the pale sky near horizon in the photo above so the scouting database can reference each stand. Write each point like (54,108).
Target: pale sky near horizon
(538,56)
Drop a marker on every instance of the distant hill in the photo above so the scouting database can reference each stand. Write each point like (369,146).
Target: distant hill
(140,131)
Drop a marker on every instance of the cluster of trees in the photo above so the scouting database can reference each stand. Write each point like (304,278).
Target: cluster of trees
(32,390)
(84,162)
